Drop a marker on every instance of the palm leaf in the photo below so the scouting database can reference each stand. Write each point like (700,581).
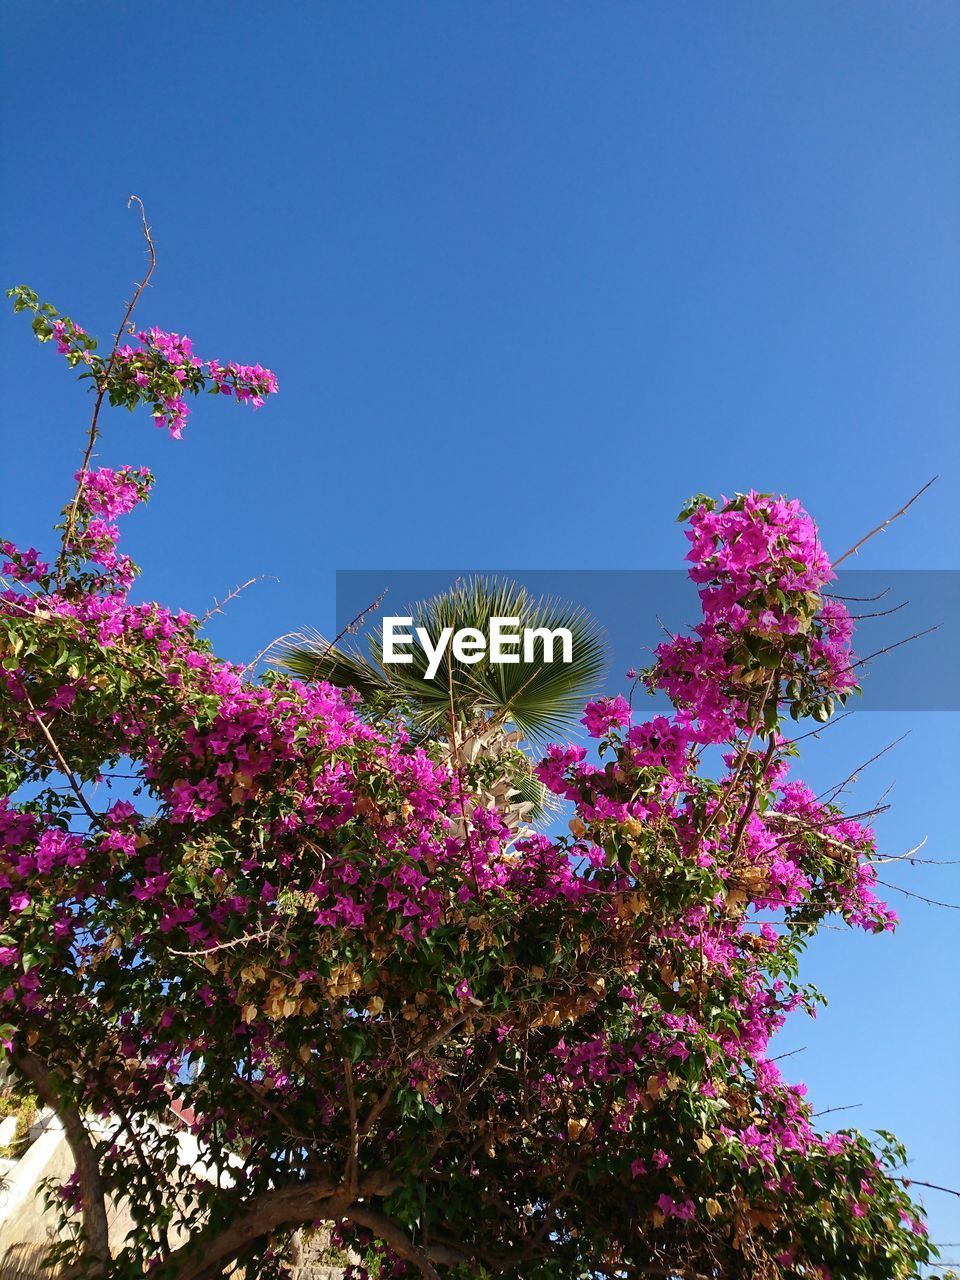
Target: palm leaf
(313,658)
(541,699)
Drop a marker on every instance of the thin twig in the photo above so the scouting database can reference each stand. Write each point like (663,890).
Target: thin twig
(836,790)
(821,728)
(744,756)
(921,862)
(914,1182)
(816,828)
(890,647)
(880,527)
(835,595)
(931,902)
(752,793)
(907,857)
(353,625)
(217,606)
(289,635)
(350,629)
(879,613)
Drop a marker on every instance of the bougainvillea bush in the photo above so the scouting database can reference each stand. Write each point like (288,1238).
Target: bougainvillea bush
(244,905)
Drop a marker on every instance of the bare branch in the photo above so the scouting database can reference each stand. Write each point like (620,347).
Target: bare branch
(289,635)
(835,791)
(880,527)
(752,794)
(908,856)
(890,647)
(350,629)
(789,1054)
(913,1182)
(260,936)
(353,1154)
(217,606)
(821,728)
(354,624)
(931,902)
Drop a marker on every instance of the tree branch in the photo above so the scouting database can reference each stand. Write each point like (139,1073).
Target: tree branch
(286,1206)
(395,1239)
(96,1245)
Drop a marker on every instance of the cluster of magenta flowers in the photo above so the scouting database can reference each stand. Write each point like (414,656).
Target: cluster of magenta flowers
(161,370)
(91,534)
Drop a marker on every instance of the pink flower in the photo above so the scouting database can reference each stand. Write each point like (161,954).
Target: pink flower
(684,1209)
(605,714)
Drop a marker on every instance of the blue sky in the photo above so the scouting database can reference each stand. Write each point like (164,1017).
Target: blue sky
(530,275)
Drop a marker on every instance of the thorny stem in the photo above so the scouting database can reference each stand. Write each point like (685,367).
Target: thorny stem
(103,381)
(852,551)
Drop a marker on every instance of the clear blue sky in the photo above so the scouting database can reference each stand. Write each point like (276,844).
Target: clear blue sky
(530,274)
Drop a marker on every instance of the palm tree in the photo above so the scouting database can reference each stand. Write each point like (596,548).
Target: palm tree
(482,711)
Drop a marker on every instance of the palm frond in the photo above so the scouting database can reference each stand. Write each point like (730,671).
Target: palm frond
(313,657)
(532,791)
(541,699)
